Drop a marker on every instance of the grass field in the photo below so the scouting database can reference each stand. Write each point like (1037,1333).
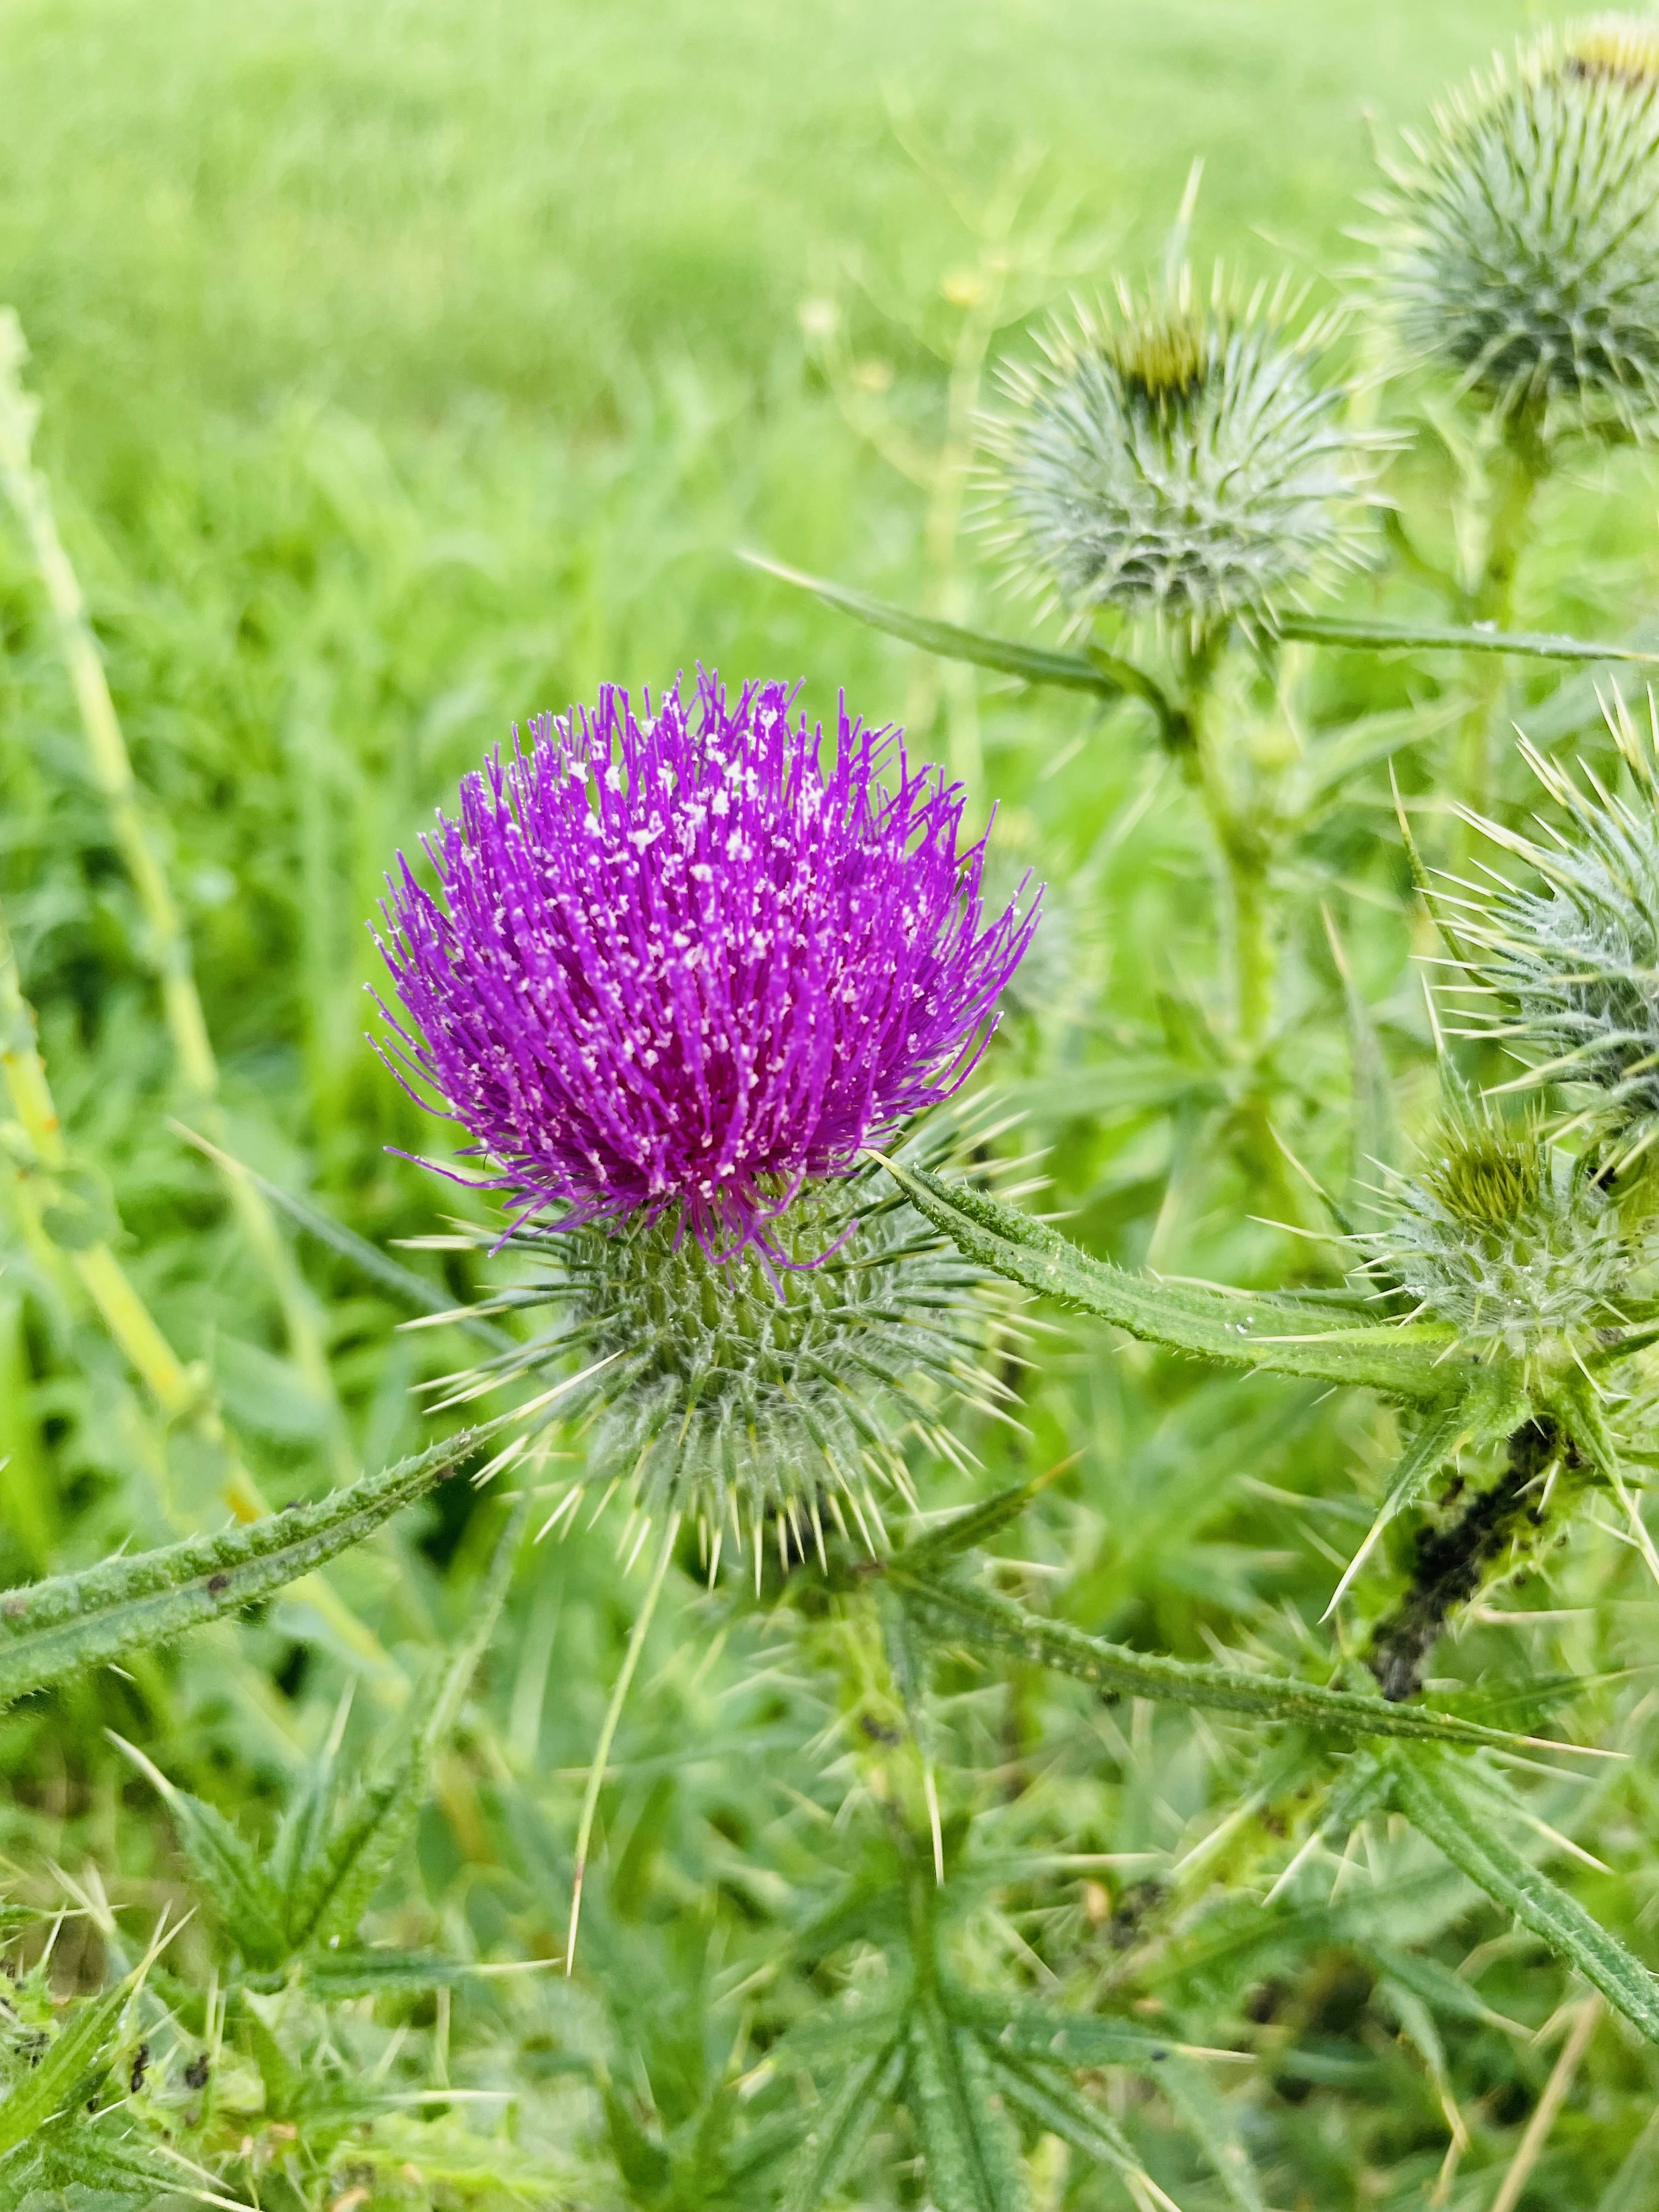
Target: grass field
(404,371)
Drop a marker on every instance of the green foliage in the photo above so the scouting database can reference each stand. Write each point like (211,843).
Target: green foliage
(1190,461)
(1520,249)
(1194,1804)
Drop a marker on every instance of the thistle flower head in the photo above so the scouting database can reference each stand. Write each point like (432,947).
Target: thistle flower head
(677,968)
(1522,251)
(1185,461)
(1504,1235)
(742,1392)
(1568,963)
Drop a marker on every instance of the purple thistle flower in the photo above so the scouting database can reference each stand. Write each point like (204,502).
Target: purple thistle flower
(685,965)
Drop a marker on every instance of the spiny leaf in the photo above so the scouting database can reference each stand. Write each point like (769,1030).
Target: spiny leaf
(1427,1792)
(1023,2030)
(225,1865)
(840,2127)
(1044,2094)
(1452,637)
(971,2150)
(356,1971)
(1206,2115)
(70,2155)
(978,1617)
(971,1529)
(60,2079)
(1440,1432)
(1441,1989)
(1285,1335)
(51,1630)
(333,1892)
(1036,664)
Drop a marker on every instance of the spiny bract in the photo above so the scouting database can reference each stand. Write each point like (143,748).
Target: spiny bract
(1506,1236)
(739,1390)
(1522,250)
(1184,461)
(1572,966)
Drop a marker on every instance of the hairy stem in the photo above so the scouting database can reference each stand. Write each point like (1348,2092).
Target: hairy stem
(1243,854)
(1518,469)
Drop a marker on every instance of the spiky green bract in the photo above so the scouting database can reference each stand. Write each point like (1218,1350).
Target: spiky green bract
(1508,1237)
(1522,251)
(738,1390)
(1569,965)
(1182,460)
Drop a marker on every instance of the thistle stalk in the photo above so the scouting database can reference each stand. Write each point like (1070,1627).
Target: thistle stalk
(1520,465)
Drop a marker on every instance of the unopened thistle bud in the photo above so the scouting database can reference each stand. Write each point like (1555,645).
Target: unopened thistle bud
(1566,966)
(679,975)
(1522,251)
(1506,1236)
(1184,461)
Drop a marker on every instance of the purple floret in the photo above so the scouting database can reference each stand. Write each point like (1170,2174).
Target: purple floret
(677,964)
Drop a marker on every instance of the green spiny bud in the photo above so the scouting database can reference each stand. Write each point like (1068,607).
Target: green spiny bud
(1522,251)
(1506,1236)
(1570,963)
(1183,461)
(739,1391)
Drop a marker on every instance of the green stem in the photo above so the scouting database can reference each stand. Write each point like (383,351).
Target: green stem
(1519,469)
(1242,852)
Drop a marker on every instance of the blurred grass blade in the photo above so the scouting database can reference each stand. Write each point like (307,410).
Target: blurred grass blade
(1211,2124)
(977,1617)
(1285,1335)
(403,1283)
(1376,1142)
(1426,1791)
(51,1630)
(1452,637)
(840,2127)
(972,2151)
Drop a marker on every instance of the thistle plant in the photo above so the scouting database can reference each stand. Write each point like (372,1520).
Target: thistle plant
(1523,241)
(682,977)
(1183,1769)
(1515,1243)
(1565,964)
(1184,461)
(1518,254)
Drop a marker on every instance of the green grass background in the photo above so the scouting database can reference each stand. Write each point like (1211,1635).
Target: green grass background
(408,368)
